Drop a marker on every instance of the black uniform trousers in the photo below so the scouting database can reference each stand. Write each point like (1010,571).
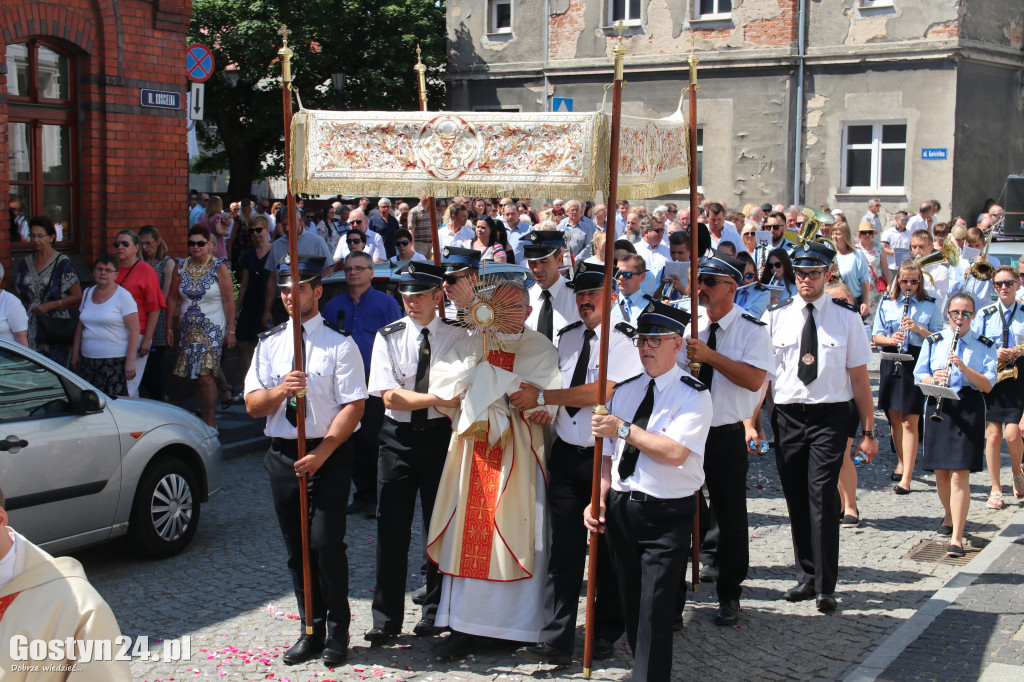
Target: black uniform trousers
(570,477)
(726,543)
(366,443)
(810,443)
(647,540)
(328,496)
(410,460)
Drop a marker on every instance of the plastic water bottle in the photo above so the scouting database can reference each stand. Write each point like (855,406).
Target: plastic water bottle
(859,458)
(764,447)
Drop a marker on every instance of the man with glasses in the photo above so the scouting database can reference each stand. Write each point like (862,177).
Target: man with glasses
(570,471)
(1003,322)
(198,210)
(874,207)
(579,227)
(652,249)
(553,303)
(461,264)
(821,357)
(629,277)
(361,310)
(374,242)
(735,353)
(653,462)
(776,222)
(896,237)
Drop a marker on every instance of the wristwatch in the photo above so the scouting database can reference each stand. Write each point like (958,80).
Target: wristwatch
(871,433)
(623,431)
(540,398)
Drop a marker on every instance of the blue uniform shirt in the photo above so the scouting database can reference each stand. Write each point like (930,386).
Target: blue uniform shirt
(989,323)
(374,310)
(890,314)
(977,352)
(753,299)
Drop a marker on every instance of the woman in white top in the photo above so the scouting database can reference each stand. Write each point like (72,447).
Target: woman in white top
(107,337)
(878,263)
(487,240)
(13,318)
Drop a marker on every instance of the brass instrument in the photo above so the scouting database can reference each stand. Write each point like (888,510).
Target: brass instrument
(948,254)
(814,219)
(983,270)
(1008,370)
(937,417)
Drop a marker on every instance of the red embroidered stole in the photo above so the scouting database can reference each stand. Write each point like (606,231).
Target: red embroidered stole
(5,602)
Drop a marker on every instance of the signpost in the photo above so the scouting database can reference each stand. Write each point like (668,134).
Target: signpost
(198,63)
(161,99)
(933,153)
(196,101)
(561,104)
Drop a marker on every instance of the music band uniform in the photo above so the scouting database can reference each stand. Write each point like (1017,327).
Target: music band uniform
(412,450)
(896,388)
(335,379)
(554,307)
(1005,402)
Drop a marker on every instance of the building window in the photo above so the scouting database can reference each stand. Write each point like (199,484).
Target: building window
(875,4)
(712,9)
(500,16)
(874,157)
(41,133)
(626,11)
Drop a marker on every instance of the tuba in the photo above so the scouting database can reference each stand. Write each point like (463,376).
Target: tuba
(948,254)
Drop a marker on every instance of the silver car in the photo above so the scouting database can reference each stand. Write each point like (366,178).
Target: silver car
(78,468)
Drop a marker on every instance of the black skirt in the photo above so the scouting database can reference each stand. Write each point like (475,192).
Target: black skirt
(899,393)
(958,441)
(1005,403)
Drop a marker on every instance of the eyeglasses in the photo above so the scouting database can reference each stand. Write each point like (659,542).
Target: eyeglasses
(809,274)
(671,210)
(626,275)
(355,222)
(197,244)
(1004,283)
(749,234)
(404,242)
(775,227)
(123,242)
(966,314)
(910,282)
(776,265)
(649,341)
(37,235)
(257,230)
(659,230)
(357,268)
(709,282)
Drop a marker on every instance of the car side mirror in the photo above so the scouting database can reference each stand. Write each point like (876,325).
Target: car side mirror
(89,402)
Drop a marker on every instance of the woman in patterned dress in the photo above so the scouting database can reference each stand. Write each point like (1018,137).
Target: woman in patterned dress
(203,287)
(48,286)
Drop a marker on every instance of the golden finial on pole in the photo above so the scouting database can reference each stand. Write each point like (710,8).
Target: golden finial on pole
(421,71)
(692,60)
(619,51)
(285,53)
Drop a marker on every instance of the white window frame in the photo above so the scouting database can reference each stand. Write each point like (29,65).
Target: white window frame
(717,15)
(492,17)
(875,4)
(876,146)
(630,21)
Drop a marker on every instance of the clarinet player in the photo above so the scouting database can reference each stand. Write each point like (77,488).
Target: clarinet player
(955,431)
(903,320)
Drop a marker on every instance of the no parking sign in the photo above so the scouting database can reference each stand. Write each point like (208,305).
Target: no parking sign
(198,63)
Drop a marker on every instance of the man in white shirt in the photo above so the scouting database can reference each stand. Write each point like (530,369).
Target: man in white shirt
(896,237)
(621,215)
(719,229)
(874,207)
(553,303)
(516,229)
(374,242)
(921,218)
(455,231)
(579,227)
(651,246)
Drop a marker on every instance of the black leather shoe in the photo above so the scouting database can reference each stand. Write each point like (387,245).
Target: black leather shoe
(677,622)
(544,653)
(356,507)
(420,594)
(455,645)
(306,649)
(801,592)
(426,628)
(708,573)
(379,636)
(603,649)
(728,612)
(335,653)
(371,511)
(826,603)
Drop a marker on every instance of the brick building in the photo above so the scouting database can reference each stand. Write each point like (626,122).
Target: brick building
(79,144)
(807,101)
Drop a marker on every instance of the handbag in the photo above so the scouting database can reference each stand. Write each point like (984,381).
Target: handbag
(56,330)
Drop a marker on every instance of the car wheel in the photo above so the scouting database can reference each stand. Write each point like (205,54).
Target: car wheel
(165,513)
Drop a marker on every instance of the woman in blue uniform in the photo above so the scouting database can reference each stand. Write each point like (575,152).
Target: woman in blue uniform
(751,296)
(903,319)
(954,447)
(778,272)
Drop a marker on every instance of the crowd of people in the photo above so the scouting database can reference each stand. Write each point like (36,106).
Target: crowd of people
(494,431)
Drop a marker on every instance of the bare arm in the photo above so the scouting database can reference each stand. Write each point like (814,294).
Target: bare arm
(21,337)
(404,399)
(227,295)
(173,300)
(865,407)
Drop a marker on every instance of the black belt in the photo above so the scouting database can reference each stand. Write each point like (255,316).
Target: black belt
(584,450)
(290,446)
(429,424)
(725,428)
(810,408)
(637,496)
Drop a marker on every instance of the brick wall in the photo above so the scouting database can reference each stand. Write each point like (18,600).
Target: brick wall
(131,164)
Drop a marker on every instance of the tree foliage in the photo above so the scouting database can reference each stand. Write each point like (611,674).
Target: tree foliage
(372,41)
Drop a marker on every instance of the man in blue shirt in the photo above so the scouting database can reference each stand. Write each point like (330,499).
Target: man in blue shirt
(385,224)
(581,229)
(361,311)
(198,210)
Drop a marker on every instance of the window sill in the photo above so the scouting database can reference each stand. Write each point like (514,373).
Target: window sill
(876,5)
(713,21)
(861,192)
(502,37)
(632,27)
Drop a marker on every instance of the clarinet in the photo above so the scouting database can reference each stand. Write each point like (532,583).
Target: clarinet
(937,417)
(898,365)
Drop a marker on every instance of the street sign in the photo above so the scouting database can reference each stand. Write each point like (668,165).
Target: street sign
(198,63)
(934,153)
(561,104)
(161,99)
(196,101)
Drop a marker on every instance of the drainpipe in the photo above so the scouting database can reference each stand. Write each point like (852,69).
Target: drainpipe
(547,50)
(799,123)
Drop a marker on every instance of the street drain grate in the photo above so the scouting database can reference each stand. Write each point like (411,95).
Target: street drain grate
(932,552)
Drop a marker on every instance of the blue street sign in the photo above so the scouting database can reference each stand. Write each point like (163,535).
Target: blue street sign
(561,104)
(935,153)
(161,99)
(198,63)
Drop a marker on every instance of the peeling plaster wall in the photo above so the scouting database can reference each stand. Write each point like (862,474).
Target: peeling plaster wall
(1000,22)
(842,22)
(471,49)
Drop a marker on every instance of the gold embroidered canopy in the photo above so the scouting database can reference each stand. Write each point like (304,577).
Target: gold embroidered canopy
(414,153)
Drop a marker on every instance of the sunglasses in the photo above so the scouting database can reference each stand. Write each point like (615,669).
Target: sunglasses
(626,275)
(911,282)
(125,243)
(866,232)
(404,242)
(659,230)
(256,229)
(198,244)
(749,234)
(353,241)
(357,268)
(709,282)
(1004,283)
(776,265)
(355,222)
(966,314)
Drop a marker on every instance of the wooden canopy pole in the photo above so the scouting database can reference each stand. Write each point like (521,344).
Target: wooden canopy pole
(293,255)
(435,244)
(602,367)
(694,258)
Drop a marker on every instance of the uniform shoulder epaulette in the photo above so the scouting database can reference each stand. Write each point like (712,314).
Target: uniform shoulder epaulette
(451,321)
(751,318)
(337,328)
(930,299)
(626,381)
(988,310)
(273,330)
(626,328)
(780,304)
(846,304)
(648,297)
(568,327)
(695,384)
(934,337)
(987,341)
(391,328)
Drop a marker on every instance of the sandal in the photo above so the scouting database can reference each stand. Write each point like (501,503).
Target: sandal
(1018,485)
(995,500)
(231,399)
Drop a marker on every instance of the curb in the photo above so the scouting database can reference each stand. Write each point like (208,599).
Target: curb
(894,645)
(242,448)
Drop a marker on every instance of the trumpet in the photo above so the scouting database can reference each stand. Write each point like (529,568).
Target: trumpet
(937,417)
(1008,370)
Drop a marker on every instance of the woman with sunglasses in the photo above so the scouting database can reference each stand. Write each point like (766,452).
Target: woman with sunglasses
(154,254)
(853,267)
(405,248)
(778,272)
(142,283)
(954,447)
(203,290)
(878,263)
(749,235)
(487,241)
(252,289)
(904,319)
(752,296)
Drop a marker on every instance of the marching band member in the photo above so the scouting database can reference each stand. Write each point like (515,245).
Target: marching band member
(1003,322)
(752,296)
(963,281)
(965,362)
(903,320)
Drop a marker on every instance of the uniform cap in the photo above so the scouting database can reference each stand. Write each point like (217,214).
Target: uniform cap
(541,243)
(310,267)
(658,319)
(813,255)
(717,263)
(419,277)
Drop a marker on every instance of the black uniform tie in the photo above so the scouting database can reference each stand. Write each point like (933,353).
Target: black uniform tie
(579,375)
(545,323)
(627,465)
(707,372)
(419,417)
(808,362)
(291,404)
